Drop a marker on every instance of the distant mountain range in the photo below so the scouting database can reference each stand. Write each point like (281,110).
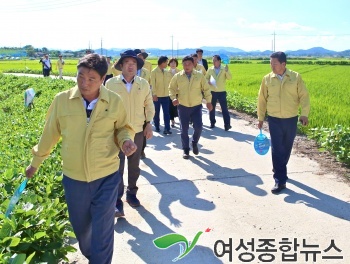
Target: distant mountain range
(231,51)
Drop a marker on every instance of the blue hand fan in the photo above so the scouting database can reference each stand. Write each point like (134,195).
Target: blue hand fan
(225,59)
(261,144)
(15,197)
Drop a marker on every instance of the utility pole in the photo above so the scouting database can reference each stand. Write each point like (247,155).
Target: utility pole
(172,46)
(274,41)
(101,47)
(177,50)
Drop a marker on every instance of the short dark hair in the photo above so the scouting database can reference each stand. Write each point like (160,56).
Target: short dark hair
(162,59)
(95,62)
(194,55)
(187,58)
(281,56)
(173,59)
(199,50)
(217,57)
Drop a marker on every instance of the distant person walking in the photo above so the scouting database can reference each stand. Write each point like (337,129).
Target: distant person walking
(281,93)
(160,79)
(93,124)
(47,65)
(59,66)
(173,64)
(200,60)
(186,90)
(216,77)
(198,67)
(146,64)
(109,71)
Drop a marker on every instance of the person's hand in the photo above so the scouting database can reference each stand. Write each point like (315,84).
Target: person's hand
(155,98)
(226,68)
(260,124)
(30,171)
(304,120)
(147,132)
(175,102)
(209,106)
(129,147)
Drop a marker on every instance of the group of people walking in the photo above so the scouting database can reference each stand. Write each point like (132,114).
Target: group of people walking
(47,65)
(112,121)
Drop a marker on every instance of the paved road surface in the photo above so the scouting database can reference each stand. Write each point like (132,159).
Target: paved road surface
(226,188)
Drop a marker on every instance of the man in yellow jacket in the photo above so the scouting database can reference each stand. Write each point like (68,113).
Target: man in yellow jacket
(93,124)
(217,76)
(136,95)
(59,66)
(281,93)
(109,71)
(160,79)
(186,90)
(141,53)
(198,67)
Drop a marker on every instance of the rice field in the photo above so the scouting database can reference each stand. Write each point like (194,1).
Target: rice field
(328,85)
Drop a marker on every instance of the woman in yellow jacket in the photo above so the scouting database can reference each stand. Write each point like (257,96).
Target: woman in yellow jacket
(173,63)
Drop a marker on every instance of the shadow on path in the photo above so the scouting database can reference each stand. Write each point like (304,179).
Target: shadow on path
(234,177)
(318,200)
(172,189)
(142,244)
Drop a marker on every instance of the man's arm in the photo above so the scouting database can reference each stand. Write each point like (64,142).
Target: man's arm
(49,138)
(262,103)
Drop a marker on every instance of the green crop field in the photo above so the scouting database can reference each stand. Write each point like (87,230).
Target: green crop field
(328,87)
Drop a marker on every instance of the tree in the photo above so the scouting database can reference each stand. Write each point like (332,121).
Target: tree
(45,50)
(30,50)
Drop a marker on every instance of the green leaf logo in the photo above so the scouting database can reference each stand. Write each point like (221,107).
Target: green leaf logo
(169,240)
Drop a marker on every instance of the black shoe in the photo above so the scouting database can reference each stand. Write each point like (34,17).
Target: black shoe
(157,130)
(278,188)
(119,209)
(195,148)
(132,200)
(212,125)
(228,127)
(167,132)
(143,155)
(186,154)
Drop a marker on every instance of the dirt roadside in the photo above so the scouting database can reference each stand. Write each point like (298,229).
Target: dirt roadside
(305,147)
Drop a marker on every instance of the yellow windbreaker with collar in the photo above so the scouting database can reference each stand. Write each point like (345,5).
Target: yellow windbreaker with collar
(110,68)
(220,78)
(160,82)
(189,92)
(176,71)
(147,65)
(139,102)
(59,64)
(200,68)
(89,151)
(281,99)
(145,74)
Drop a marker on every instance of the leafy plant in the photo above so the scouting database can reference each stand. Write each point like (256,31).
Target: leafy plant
(38,229)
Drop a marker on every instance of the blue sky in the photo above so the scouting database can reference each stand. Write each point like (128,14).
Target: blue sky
(244,24)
